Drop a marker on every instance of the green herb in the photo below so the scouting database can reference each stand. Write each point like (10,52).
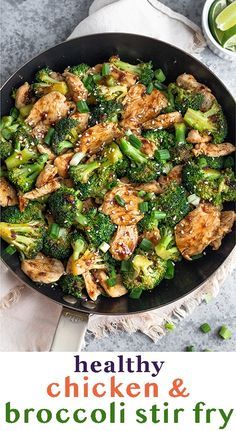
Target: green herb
(120,201)
(82,106)
(205,328)
(135,293)
(225,333)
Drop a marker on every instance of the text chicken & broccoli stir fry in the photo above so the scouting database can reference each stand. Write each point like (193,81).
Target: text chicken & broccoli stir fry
(110,176)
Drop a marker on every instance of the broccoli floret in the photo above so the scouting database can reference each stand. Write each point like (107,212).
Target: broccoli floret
(182,150)
(21,157)
(211,162)
(150,220)
(115,93)
(174,203)
(65,135)
(72,284)
(25,237)
(25,148)
(184,99)
(142,169)
(81,70)
(106,110)
(82,172)
(66,207)
(228,186)
(99,227)
(45,75)
(204,182)
(5,148)
(41,88)
(24,176)
(166,248)
(59,247)
(144,71)
(162,138)
(12,214)
(212,121)
(122,168)
(146,272)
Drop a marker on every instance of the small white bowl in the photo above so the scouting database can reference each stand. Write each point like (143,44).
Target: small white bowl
(226,54)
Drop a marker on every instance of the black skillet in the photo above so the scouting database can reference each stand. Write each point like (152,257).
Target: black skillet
(95,49)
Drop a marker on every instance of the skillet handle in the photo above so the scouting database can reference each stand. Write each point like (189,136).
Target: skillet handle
(70,331)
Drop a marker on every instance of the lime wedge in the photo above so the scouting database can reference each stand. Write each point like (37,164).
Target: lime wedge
(216,7)
(227,18)
(229,39)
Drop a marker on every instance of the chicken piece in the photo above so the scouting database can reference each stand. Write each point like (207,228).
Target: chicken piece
(96,137)
(164,121)
(43,269)
(174,175)
(8,196)
(48,188)
(46,175)
(213,150)
(153,236)
(195,137)
(124,242)
(39,132)
(44,149)
(83,119)
(188,82)
(122,77)
(48,109)
(88,261)
(227,219)
(114,291)
(197,230)
(76,87)
(152,187)
(22,95)
(91,286)
(126,215)
(140,107)
(62,164)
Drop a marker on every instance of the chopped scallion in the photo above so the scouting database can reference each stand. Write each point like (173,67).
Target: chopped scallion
(159,85)
(150,87)
(146,245)
(54,230)
(159,75)
(49,136)
(105,69)
(162,155)
(111,281)
(225,333)
(10,249)
(82,106)
(190,349)
(135,293)
(194,200)
(205,328)
(141,193)
(143,207)
(170,270)
(120,201)
(104,247)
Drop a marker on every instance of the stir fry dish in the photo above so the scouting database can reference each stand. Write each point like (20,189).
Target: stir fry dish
(110,175)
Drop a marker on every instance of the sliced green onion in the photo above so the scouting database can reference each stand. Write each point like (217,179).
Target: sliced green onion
(135,141)
(170,270)
(150,196)
(205,328)
(150,87)
(104,247)
(159,75)
(97,77)
(54,230)
(76,159)
(190,349)
(111,281)
(10,249)
(194,200)
(141,193)
(143,207)
(126,265)
(135,293)
(111,185)
(159,215)
(197,256)
(120,201)
(49,136)
(169,326)
(105,69)
(225,333)
(14,113)
(159,85)
(82,106)
(162,155)
(146,245)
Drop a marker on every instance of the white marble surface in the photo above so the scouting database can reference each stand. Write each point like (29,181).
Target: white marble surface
(30,26)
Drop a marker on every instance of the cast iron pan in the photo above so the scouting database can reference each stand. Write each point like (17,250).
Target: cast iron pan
(95,49)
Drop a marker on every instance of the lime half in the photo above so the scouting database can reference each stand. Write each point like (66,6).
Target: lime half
(229,39)
(215,9)
(227,17)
